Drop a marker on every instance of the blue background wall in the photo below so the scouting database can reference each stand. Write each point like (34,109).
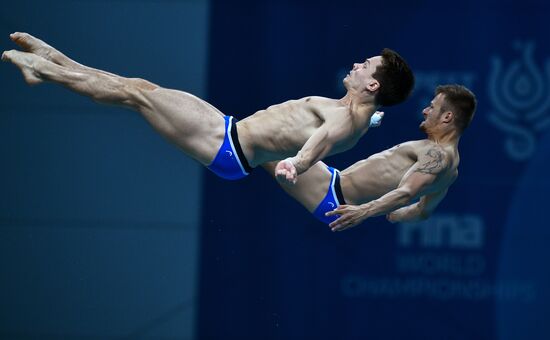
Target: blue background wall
(476,269)
(96,208)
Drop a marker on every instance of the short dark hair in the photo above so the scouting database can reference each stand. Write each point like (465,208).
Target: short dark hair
(395,77)
(461,101)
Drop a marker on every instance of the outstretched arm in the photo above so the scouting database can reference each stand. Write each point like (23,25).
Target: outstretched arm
(315,149)
(418,211)
(418,181)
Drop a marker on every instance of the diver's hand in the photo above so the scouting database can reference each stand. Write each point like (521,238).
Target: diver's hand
(285,172)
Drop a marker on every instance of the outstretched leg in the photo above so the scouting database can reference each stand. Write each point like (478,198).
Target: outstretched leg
(189,122)
(34,45)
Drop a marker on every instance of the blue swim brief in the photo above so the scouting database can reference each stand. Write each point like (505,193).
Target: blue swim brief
(230,162)
(333,199)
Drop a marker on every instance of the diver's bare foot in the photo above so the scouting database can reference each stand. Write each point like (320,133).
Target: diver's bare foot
(34,45)
(25,62)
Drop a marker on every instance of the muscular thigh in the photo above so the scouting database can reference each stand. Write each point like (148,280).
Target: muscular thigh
(192,124)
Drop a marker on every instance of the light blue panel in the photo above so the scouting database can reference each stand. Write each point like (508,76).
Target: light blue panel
(98,214)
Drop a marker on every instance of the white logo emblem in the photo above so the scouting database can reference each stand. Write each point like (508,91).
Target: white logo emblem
(521,98)
(332,205)
(229,153)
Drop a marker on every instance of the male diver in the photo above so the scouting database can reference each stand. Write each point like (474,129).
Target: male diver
(390,182)
(301,132)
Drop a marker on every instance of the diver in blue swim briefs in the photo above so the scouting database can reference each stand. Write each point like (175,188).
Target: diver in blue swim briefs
(230,162)
(405,182)
(298,132)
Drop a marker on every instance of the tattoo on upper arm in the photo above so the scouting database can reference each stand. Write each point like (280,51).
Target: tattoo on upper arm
(432,162)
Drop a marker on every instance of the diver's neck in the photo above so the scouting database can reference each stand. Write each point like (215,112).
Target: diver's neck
(356,104)
(444,137)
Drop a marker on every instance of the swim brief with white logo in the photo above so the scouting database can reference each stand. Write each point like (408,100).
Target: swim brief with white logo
(332,200)
(230,162)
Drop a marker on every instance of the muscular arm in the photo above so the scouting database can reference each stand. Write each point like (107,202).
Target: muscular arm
(418,181)
(321,143)
(418,211)
(316,148)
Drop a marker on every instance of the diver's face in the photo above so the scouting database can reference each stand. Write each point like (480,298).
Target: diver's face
(360,75)
(432,113)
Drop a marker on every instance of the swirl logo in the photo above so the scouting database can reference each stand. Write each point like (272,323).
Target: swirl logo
(521,98)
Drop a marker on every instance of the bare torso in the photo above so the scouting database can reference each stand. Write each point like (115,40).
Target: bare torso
(281,130)
(373,177)
(381,173)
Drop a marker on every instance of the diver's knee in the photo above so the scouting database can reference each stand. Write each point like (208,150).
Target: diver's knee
(143,84)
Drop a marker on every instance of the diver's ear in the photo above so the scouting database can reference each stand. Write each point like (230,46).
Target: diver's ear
(448,116)
(373,85)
